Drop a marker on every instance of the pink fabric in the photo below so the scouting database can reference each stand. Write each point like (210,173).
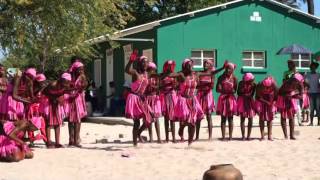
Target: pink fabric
(305,100)
(56,114)
(44,105)
(185,62)
(169,64)
(4,99)
(298,77)
(209,61)
(75,65)
(15,108)
(66,76)
(268,81)
(248,77)
(40,77)
(245,101)
(227,103)
(188,108)
(230,65)
(205,96)
(77,107)
(287,106)
(32,72)
(266,113)
(168,97)
(152,65)
(154,105)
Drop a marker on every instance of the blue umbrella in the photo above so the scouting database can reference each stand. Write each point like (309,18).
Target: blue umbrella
(294,49)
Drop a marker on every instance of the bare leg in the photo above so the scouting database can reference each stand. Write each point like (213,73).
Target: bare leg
(77,134)
(71,133)
(181,129)
(198,125)
(15,157)
(57,136)
(243,129)
(136,125)
(209,118)
(150,133)
(303,116)
(269,123)
(157,127)
(48,132)
(261,123)
(291,124)
(166,127)
(142,128)
(223,127)
(307,114)
(191,130)
(173,131)
(230,123)
(249,128)
(284,127)
(318,121)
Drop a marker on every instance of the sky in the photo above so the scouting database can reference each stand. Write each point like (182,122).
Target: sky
(302,5)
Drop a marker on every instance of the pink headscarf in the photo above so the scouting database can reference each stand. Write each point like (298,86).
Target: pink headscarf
(66,76)
(36,121)
(152,65)
(32,72)
(169,64)
(230,65)
(75,66)
(298,77)
(248,77)
(186,61)
(268,81)
(40,77)
(210,61)
(143,58)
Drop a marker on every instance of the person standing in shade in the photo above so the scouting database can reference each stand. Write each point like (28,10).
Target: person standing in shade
(312,79)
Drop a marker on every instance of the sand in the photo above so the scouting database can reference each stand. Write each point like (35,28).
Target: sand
(280,159)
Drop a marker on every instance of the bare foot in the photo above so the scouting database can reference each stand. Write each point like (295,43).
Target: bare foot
(262,139)
(270,139)
(292,138)
(243,139)
(248,139)
(159,141)
(58,146)
(230,138)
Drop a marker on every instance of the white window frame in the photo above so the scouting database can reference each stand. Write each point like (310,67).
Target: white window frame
(252,59)
(202,58)
(301,60)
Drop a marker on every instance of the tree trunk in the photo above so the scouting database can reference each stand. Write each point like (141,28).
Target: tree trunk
(310,6)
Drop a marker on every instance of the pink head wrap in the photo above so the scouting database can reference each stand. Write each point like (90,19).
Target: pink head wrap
(32,72)
(66,76)
(143,58)
(248,77)
(230,65)
(268,81)
(186,61)
(36,121)
(298,77)
(75,65)
(210,61)
(152,65)
(40,77)
(169,64)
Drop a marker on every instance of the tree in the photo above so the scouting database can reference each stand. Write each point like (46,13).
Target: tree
(38,31)
(296,3)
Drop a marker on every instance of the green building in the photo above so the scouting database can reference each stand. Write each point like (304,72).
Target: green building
(247,32)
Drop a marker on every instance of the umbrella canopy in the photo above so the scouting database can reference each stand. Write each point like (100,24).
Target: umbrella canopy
(294,49)
(316,56)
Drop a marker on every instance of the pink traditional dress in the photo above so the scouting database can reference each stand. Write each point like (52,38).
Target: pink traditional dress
(15,108)
(245,101)
(227,103)
(305,100)
(205,96)
(266,112)
(4,99)
(153,98)
(77,106)
(8,146)
(168,97)
(188,109)
(56,110)
(287,105)
(136,105)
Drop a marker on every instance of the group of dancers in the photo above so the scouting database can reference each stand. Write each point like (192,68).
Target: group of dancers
(29,102)
(186,97)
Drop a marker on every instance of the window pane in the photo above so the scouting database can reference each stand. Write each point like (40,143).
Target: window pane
(196,54)
(246,55)
(208,54)
(197,62)
(305,64)
(259,63)
(305,56)
(296,62)
(247,63)
(295,56)
(258,55)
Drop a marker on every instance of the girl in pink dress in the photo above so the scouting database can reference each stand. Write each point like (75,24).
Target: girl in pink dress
(77,106)
(12,147)
(205,97)
(290,91)
(153,99)
(55,92)
(305,103)
(188,110)
(168,97)
(136,105)
(266,95)
(227,104)
(3,94)
(245,102)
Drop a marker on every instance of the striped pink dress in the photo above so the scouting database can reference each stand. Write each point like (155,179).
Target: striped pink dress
(245,101)
(153,98)
(227,103)
(4,99)
(136,104)
(168,97)
(265,112)
(77,107)
(188,108)
(205,96)
(55,108)
(15,108)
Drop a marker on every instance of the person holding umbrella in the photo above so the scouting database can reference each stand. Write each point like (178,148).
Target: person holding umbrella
(290,72)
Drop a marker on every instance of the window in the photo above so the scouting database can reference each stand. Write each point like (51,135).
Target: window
(198,56)
(97,72)
(302,61)
(254,59)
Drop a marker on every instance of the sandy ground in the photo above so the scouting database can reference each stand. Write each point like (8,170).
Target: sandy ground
(280,159)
